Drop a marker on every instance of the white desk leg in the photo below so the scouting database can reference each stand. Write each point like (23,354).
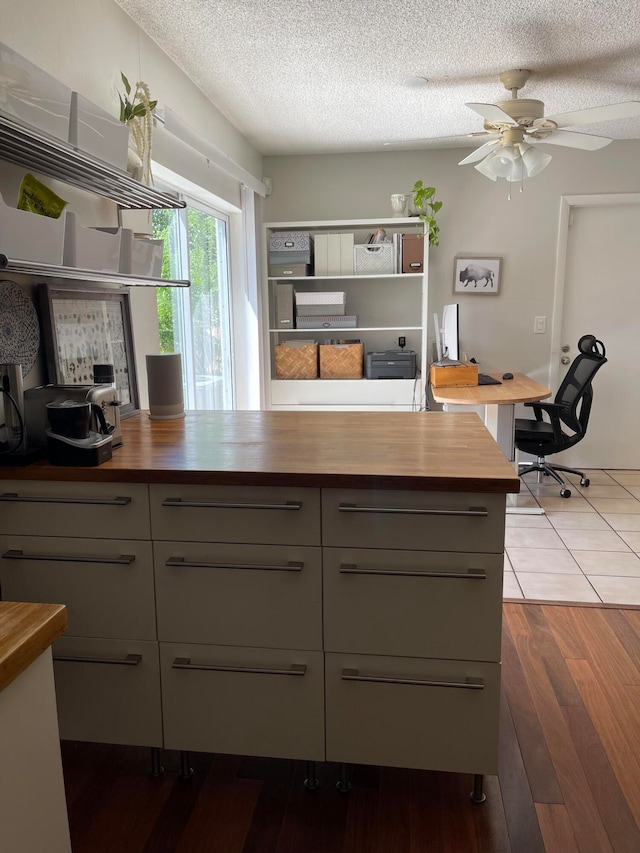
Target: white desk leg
(500,421)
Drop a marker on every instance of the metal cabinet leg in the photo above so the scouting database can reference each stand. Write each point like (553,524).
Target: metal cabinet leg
(155,769)
(311,782)
(477,796)
(343,784)
(186,771)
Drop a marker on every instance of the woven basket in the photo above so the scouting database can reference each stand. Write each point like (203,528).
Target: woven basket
(297,362)
(340,361)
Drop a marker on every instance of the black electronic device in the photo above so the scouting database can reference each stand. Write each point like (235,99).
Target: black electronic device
(485,379)
(391,364)
(507,375)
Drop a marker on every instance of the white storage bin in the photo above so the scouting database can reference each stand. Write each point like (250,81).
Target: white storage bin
(33,96)
(93,130)
(91,248)
(315,304)
(333,254)
(138,256)
(146,257)
(30,237)
(373,259)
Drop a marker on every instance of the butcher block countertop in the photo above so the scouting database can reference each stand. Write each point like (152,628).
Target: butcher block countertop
(440,451)
(26,630)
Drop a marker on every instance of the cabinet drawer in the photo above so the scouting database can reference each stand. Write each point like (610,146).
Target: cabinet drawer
(239,595)
(236,514)
(410,712)
(243,701)
(431,604)
(111,694)
(100,510)
(107,584)
(425,521)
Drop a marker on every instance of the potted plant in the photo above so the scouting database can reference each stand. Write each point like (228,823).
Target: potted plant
(422,201)
(136,111)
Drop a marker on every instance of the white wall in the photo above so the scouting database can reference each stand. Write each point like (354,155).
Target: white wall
(476,217)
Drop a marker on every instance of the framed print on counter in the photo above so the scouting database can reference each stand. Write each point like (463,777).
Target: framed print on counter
(83,327)
(476,274)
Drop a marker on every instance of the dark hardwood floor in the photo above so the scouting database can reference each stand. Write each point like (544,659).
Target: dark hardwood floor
(569,770)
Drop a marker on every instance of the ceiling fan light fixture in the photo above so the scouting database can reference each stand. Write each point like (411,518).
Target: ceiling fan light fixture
(513,162)
(535,160)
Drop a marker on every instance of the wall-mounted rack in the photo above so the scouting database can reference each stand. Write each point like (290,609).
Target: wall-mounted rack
(54,271)
(27,146)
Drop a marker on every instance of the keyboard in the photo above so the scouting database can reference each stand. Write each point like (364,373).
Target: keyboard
(485,379)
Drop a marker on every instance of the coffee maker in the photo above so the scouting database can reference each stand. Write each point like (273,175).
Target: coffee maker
(70,441)
(102,395)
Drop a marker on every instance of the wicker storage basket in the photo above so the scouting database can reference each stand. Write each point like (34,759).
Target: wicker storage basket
(296,362)
(373,259)
(341,361)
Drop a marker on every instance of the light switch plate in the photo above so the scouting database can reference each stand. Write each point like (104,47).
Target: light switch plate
(539,325)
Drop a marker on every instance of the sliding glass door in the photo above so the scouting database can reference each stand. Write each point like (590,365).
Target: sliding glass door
(196,321)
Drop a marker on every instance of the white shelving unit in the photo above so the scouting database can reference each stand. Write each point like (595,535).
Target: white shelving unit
(387,306)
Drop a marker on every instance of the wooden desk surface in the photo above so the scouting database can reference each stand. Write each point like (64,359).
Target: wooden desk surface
(520,389)
(396,450)
(26,630)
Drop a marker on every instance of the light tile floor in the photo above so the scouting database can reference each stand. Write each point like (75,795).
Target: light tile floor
(586,547)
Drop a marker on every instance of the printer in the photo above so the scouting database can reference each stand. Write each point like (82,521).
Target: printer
(391,364)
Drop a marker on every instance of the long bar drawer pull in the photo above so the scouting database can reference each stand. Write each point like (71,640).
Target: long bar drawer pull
(129,660)
(181,563)
(471,574)
(13,497)
(475,511)
(185,663)
(179,503)
(122,560)
(468,684)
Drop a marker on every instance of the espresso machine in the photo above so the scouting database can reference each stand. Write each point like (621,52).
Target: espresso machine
(71,441)
(102,398)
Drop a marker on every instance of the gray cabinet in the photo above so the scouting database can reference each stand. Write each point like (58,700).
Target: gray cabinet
(351,625)
(87,545)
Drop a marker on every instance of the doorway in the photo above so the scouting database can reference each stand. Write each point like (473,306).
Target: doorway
(598,293)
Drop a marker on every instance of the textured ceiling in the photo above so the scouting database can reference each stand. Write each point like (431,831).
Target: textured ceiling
(300,76)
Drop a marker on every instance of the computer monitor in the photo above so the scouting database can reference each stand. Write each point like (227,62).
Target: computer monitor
(450,334)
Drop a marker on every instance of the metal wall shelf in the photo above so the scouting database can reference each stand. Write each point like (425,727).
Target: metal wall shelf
(27,146)
(54,271)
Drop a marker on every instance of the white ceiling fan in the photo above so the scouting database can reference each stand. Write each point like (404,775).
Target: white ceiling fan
(515,127)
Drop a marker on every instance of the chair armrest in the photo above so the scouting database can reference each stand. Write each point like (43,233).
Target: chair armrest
(554,411)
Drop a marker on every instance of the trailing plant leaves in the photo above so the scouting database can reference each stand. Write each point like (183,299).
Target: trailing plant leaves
(127,85)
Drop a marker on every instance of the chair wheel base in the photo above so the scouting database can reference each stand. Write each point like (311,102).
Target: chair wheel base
(585,481)
(565,493)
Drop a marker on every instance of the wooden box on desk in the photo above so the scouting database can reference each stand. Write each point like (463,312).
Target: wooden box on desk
(448,376)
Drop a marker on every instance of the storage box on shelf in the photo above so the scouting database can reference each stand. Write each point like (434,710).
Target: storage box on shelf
(374,259)
(382,303)
(296,360)
(32,95)
(93,130)
(31,237)
(91,248)
(340,361)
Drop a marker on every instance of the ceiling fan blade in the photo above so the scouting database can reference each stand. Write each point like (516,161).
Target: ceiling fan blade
(460,136)
(492,113)
(609,112)
(586,141)
(479,153)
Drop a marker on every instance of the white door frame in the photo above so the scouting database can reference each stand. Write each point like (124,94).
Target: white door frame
(567,202)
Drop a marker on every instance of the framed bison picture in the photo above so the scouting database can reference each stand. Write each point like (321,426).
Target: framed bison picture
(476,274)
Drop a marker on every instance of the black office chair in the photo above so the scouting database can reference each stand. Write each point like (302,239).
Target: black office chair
(570,408)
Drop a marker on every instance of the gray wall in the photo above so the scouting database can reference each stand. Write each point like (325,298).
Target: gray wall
(476,217)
